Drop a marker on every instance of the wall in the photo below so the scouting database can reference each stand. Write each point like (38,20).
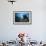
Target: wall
(9,31)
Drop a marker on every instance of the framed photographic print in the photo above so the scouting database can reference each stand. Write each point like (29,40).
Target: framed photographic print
(22,17)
